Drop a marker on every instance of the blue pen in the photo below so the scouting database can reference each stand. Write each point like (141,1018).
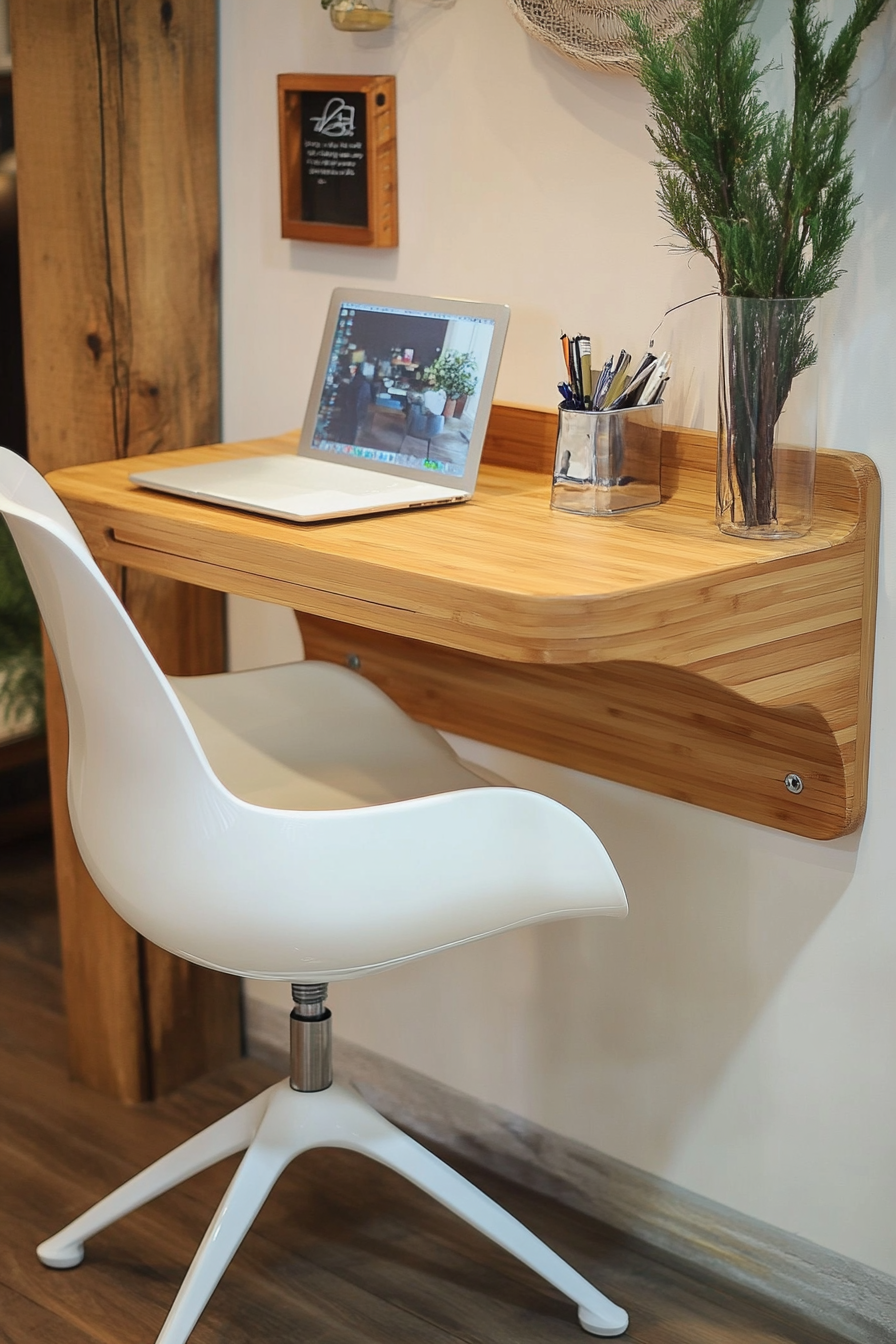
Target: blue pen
(602,384)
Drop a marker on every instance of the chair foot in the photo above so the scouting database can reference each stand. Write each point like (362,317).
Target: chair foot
(68,1256)
(366,1131)
(593,1324)
(227,1136)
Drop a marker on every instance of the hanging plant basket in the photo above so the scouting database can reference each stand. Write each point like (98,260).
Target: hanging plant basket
(593,34)
(360,16)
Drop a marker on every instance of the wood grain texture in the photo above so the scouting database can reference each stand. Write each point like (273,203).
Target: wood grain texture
(101,953)
(117,163)
(382,160)
(116,137)
(646,648)
(657,728)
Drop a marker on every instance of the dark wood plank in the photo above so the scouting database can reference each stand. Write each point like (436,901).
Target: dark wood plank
(29,924)
(24,794)
(23,1321)
(118,217)
(23,751)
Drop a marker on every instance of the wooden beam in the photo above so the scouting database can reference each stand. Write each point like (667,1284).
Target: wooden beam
(100,952)
(116,137)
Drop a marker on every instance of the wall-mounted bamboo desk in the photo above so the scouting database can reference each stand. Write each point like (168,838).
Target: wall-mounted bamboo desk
(647,649)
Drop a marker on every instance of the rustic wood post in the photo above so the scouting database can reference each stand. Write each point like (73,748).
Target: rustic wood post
(116,139)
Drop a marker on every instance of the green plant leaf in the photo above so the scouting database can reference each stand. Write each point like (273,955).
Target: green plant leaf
(21,660)
(766,196)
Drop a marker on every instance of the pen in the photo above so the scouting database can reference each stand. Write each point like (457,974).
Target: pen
(630,393)
(575,372)
(618,381)
(654,382)
(603,383)
(583,344)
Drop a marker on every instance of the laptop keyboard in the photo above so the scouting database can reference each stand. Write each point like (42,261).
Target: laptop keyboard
(306,474)
(347,480)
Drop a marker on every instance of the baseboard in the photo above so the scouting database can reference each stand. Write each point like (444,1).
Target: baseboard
(823,1288)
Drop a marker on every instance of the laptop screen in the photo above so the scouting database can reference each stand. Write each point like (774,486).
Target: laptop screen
(402,387)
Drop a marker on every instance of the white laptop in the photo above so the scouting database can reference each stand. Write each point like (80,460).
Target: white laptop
(396,418)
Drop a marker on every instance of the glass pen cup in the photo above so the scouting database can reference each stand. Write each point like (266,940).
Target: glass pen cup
(608,461)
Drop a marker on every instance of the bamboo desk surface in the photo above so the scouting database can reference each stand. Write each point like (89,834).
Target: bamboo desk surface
(774,628)
(503,575)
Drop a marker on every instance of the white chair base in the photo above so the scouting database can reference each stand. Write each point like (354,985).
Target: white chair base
(273,1129)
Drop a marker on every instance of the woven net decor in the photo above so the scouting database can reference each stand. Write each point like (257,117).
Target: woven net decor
(592,32)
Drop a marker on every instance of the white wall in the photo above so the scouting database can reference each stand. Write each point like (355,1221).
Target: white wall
(737,1034)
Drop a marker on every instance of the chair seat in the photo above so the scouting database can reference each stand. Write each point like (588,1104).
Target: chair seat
(317,737)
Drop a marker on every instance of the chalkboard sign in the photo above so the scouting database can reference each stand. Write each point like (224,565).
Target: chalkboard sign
(338,176)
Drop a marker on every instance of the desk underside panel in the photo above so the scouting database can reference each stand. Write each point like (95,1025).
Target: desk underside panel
(658,728)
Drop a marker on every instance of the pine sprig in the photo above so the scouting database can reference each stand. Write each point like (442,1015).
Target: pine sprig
(766,197)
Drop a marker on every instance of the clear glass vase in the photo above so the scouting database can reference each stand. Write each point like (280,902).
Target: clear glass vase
(361,16)
(767,417)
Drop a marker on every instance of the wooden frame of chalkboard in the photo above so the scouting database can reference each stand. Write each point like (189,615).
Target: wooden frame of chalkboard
(338,159)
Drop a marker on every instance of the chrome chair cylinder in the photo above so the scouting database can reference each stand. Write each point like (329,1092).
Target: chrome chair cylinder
(310,1040)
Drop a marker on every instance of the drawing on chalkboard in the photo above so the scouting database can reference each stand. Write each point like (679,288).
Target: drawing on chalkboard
(337,119)
(338,165)
(334,167)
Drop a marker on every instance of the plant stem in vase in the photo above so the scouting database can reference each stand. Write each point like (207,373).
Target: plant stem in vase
(767,405)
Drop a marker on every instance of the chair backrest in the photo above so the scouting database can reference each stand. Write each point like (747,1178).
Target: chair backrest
(131,747)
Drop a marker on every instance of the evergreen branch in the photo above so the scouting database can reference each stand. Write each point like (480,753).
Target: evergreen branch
(766,197)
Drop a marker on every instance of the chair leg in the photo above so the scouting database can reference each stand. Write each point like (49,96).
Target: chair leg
(279,1139)
(227,1136)
(363,1129)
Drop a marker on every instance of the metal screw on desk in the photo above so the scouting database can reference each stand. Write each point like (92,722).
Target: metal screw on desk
(354,662)
(793,783)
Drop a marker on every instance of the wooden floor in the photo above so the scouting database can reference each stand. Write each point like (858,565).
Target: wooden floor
(343,1253)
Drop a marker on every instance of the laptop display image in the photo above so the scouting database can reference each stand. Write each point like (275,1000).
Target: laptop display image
(403,387)
(397,415)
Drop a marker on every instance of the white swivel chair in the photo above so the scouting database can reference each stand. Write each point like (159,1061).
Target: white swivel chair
(288,824)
